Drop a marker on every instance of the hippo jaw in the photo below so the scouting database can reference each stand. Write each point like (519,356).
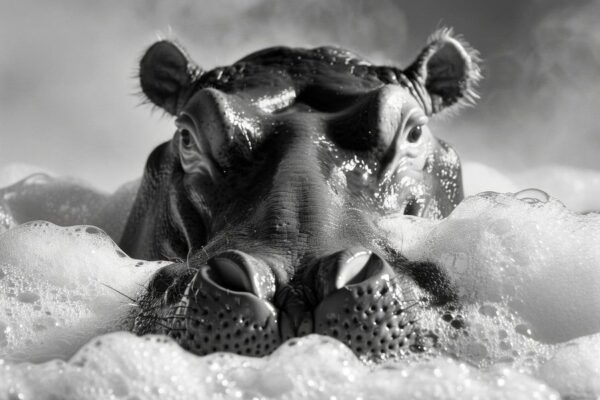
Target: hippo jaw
(269,195)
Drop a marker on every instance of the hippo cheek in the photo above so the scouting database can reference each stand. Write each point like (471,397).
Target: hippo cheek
(365,304)
(226,307)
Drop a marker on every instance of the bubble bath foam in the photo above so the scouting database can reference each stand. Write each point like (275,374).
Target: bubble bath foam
(525,267)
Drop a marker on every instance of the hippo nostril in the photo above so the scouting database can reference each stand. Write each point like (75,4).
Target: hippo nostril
(365,304)
(350,267)
(226,307)
(353,267)
(411,208)
(231,275)
(240,272)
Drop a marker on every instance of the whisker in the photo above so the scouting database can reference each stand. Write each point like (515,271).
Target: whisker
(165,326)
(119,292)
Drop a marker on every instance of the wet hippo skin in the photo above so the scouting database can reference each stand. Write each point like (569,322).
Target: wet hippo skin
(269,196)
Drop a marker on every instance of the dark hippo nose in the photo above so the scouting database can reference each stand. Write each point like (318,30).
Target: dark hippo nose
(364,303)
(226,307)
(235,303)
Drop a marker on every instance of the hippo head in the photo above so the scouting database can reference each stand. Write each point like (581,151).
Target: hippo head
(269,195)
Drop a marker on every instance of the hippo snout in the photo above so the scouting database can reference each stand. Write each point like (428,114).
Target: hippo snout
(235,303)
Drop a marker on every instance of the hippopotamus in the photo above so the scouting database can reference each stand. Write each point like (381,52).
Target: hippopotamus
(269,199)
(269,195)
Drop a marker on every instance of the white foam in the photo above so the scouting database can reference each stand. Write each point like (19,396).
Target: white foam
(540,259)
(574,370)
(61,286)
(123,366)
(527,274)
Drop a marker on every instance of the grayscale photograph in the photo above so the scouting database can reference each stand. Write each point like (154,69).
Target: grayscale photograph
(310,199)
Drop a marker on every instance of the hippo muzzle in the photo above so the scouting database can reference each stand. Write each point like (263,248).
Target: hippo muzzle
(269,197)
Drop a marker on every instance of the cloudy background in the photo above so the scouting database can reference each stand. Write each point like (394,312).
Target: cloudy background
(68,90)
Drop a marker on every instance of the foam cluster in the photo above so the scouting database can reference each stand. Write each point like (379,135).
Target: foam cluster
(536,257)
(122,366)
(574,368)
(526,324)
(60,286)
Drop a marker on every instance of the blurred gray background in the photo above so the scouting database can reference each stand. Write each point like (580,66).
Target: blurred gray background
(68,89)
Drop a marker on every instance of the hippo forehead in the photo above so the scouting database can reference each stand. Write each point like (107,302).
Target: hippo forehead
(276,77)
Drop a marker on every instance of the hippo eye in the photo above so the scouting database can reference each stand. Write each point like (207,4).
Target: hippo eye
(415,134)
(186,138)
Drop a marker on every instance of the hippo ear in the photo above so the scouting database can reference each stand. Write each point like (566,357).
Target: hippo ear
(448,69)
(165,75)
